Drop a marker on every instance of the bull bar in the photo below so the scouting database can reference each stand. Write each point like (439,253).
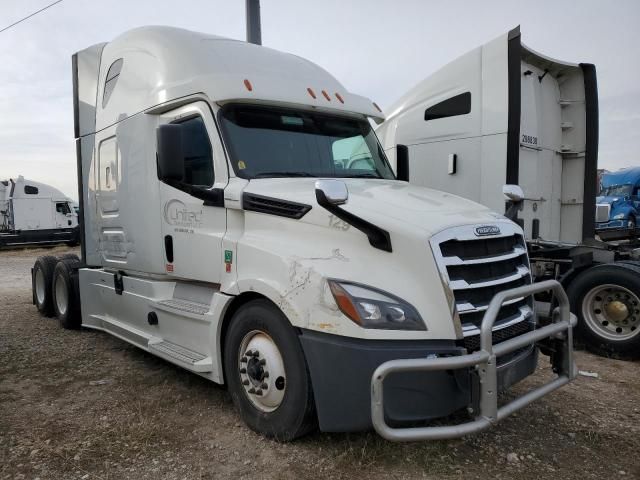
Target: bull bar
(484,361)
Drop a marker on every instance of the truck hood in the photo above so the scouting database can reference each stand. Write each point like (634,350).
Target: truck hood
(386,203)
(611,200)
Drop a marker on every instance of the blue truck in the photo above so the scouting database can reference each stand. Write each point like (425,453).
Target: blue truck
(618,205)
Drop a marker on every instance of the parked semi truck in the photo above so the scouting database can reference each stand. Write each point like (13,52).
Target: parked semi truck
(618,205)
(504,113)
(241,220)
(32,213)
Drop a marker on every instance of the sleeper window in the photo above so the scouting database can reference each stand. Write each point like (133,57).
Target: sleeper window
(451,107)
(30,190)
(198,157)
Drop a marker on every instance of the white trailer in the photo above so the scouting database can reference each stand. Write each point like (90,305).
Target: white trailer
(503,113)
(240,219)
(32,213)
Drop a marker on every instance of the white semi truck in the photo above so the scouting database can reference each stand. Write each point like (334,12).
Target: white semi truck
(32,213)
(241,220)
(504,113)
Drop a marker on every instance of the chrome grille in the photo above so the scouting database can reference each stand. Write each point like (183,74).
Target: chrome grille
(603,211)
(477,268)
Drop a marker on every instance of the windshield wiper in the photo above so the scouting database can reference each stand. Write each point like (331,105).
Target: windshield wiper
(363,175)
(283,174)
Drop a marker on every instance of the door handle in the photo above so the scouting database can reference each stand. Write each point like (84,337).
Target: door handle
(168,248)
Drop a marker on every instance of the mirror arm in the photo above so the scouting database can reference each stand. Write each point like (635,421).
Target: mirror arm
(378,237)
(212,197)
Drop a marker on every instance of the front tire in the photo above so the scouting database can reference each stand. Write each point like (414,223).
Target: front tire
(66,293)
(267,374)
(606,299)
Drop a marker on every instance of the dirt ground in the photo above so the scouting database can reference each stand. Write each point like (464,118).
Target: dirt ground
(85,405)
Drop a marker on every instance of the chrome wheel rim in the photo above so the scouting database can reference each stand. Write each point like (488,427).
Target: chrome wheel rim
(40,286)
(62,296)
(261,371)
(612,311)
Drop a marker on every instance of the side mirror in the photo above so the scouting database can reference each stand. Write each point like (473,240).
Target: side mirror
(513,193)
(402,162)
(331,192)
(170,152)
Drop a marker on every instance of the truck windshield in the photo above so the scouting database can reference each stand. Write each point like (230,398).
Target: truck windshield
(616,191)
(274,142)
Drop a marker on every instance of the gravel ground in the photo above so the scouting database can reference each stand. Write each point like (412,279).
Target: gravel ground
(84,405)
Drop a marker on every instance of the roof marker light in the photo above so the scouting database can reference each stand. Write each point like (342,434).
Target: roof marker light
(247,84)
(339,97)
(377,107)
(326,95)
(311,92)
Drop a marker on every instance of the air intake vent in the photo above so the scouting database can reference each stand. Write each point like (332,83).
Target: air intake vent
(274,206)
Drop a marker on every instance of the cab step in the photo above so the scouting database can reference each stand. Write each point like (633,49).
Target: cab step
(178,305)
(184,357)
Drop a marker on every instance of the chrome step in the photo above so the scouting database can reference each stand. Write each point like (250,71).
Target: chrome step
(188,358)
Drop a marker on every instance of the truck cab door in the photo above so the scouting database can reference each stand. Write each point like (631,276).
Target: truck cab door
(193,228)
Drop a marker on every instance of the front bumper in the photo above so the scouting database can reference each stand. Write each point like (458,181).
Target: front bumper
(425,380)
(612,225)
(484,361)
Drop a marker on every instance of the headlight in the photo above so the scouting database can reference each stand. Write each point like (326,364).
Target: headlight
(619,216)
(372,308)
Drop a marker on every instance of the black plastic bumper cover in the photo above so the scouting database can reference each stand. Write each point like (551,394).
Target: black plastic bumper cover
(341,369)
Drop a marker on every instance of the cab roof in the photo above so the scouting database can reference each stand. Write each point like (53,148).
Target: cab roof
(625,176)
(148,66)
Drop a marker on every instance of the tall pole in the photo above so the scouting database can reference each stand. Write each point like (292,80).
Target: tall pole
(254,33)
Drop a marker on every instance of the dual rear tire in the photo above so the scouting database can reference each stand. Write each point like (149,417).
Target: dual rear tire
(606,299)
(55,289)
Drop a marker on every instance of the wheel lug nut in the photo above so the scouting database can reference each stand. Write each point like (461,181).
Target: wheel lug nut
(256,353)
(249,353)
(245,382)
(265,375)
(252,390)
(243,370)
(264,386)
(263,362)
(258,392)
(243,360)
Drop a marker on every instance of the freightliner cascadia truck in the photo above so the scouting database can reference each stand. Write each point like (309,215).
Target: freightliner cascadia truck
(505,114)
(241,220)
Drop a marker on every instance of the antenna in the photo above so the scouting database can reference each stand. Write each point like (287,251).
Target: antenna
(254,33)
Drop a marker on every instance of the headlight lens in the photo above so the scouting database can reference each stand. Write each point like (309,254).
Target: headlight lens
(619,216)
(372,308)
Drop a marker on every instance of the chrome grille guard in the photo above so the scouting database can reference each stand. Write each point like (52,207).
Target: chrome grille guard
(484,361)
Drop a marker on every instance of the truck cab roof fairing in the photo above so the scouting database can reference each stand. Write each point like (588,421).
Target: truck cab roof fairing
(165,63)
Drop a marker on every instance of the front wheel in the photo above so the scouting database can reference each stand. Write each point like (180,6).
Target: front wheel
(606,299)
(267,374)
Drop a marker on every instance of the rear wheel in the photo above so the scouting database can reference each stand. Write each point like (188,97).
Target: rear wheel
(267,374)
(66,294)
(41,279)
(606,300)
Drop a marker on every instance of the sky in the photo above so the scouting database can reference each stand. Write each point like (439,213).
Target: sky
(376,48)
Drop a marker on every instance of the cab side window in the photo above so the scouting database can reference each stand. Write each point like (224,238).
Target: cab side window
(63,208)
(198,156)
